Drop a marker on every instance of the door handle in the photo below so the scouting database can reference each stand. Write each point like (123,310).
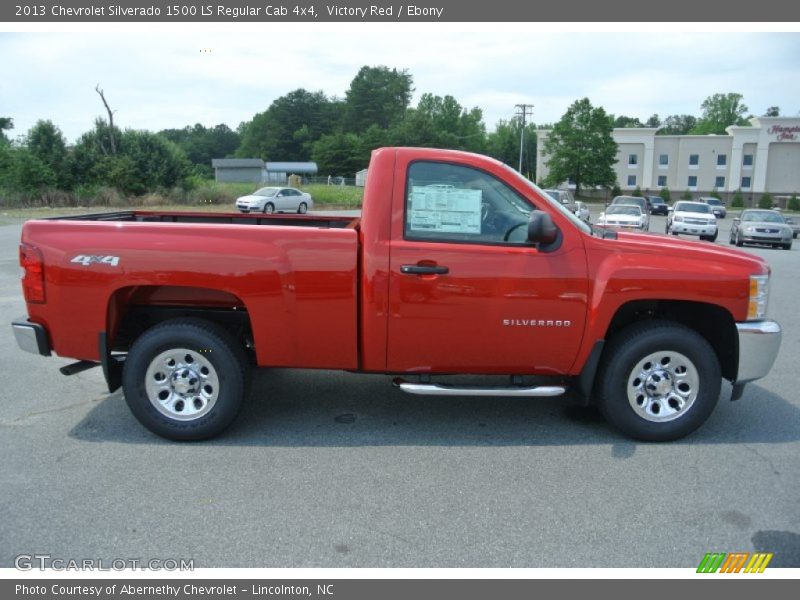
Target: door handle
(424,270)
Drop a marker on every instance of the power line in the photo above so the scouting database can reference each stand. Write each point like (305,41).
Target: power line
(523,110)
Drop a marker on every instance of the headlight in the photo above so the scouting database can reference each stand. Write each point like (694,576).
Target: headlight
(759,294)
(678,218)
(750,229)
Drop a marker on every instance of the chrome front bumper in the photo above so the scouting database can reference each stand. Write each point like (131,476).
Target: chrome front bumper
(759,342)
(31,337)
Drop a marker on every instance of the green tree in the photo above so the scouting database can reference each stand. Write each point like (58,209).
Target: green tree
(637,192)
(288,128)
(26,173)
(653,121)
(6,124)
(773,111)
(46,142)
(503,144)
(677,125)
(687,195)
(765,201)
(201,144)
(377,96)
(665,194)
(721,111)
(627,122)
(616,190)
(580,147)
(738,200)
(340,154)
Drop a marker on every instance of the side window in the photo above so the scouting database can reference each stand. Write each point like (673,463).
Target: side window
(454,203)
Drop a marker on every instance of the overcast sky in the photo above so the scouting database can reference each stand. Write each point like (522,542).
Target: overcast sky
(163,80)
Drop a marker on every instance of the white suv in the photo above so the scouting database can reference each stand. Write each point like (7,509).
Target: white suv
(692,218)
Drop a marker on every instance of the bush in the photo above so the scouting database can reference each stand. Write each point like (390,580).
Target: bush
(666,195)
(616,191)
(637,192)
(715,194)
(738,200)
(794,202)
(765,201)
(687,195)
(337,195)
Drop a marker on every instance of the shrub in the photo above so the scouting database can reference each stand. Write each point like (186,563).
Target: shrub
(794,202)
(666,195)
(616,191)
(715,194)
(637,192)
(765,201)
(687,195)
(738,200)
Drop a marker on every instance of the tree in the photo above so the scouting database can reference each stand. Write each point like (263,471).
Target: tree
(580,147)
(637,192)
(27,174)
(773,111)
(46,142)
(721,111)
(665,194)
(794,202)
(653,121)
(627,122)
(111,132)
(377,96)
(441,122)
(677,125)
(738,200)
(765,201)
(201,144)
(288,128)
(6,123)
(339,154)
(503,144)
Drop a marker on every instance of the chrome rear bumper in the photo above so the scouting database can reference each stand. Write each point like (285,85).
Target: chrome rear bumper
(31,337)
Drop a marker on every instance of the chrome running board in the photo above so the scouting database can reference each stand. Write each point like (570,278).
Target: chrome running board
(432,389)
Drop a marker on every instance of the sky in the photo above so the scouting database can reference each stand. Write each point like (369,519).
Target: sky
(172,78)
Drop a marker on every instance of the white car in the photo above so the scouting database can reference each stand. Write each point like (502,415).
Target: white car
(275,199)
(692,218)
(623,216)
(582,212)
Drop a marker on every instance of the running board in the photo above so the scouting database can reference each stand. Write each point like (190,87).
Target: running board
(432,389)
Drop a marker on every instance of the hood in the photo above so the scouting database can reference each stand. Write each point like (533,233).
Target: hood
(251,198)
(661,244)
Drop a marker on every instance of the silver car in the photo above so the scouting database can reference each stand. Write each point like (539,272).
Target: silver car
(761,226)
(564,197)
(275,199)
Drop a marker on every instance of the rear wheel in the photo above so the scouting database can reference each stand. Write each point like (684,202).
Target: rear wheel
(269,208)
(787,246)
(303,208)
(185,379)
(659,381)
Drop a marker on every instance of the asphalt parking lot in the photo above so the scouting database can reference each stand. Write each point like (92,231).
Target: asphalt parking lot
(328,469)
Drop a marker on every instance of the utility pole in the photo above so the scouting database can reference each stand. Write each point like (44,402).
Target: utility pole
(524,111)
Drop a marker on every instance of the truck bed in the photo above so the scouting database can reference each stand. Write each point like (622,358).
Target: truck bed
(291,220)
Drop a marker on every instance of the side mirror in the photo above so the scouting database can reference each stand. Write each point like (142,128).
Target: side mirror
(737,220)
(670,209)
(541,229)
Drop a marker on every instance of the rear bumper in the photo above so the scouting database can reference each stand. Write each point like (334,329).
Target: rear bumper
(31,337)
(759,342)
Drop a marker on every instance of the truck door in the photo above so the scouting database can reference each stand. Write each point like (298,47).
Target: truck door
(467,294)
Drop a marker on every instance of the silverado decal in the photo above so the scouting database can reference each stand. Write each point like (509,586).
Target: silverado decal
(86,260)
(535,323)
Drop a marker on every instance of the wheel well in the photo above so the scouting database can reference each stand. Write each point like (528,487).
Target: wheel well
(134,310)
(713,322)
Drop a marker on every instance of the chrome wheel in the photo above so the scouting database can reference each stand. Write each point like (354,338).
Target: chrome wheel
(182,384)
(663,386)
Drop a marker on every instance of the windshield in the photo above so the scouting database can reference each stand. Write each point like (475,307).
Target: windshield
(628,200)
(552,201)
(657,200)
(713,202)
(624,209)
(267,192)
(762,216)
(695,207)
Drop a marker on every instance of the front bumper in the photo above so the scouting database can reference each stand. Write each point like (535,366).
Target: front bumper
(31,337)
(692,229)
(763,238)
(759,342)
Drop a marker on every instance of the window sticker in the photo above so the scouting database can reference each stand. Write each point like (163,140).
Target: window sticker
(444,208)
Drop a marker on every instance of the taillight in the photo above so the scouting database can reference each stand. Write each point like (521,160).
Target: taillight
(30,259)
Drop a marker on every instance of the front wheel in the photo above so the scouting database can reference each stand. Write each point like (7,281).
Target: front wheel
(658,381)
(303,208)
(185,379)
(269,208)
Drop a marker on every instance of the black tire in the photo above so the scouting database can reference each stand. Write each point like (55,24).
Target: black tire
(787,246)
(302,209)
(209,344)
(622,358)
(269,208)
(739,242)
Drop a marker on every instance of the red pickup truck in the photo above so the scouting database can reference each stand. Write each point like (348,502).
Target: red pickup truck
(458,267)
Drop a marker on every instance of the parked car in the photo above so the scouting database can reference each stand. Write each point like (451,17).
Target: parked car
(275,199)
(762,226)
(692,218)
(582,212)
(658,206)
(625,216)
(639,201)
(564,197)
(794,224)
(717,206)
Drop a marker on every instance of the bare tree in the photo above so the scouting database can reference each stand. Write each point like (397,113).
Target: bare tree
(111,138)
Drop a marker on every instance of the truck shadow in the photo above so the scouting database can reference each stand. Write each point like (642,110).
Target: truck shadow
(334,409)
